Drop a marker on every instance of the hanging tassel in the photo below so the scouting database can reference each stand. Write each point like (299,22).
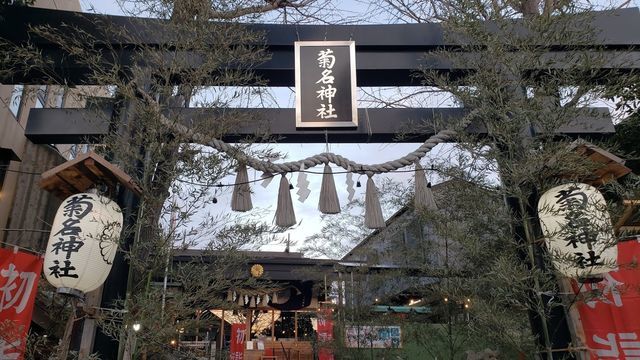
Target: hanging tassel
(265,301)
(329,202)
(252,302)
(240,300)
(229,296)
(274,298)
(423,199)
(285,217)
(373,218)
(241,198)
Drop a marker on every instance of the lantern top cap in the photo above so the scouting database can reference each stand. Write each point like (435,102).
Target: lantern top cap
(85,172)
(612,166)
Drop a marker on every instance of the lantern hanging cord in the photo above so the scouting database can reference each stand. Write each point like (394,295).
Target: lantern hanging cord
(5,168)
(318,159)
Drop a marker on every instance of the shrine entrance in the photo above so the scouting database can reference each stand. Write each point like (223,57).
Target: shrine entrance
(326,64)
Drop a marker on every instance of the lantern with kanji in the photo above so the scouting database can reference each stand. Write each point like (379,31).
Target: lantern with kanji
(83,242)
(578,230)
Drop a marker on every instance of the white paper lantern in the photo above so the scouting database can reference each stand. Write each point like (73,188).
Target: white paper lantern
(83,242)
(578,230)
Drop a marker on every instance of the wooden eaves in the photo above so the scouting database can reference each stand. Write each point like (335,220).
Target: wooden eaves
(83,173)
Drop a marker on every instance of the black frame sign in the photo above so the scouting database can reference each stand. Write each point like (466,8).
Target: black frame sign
(326,84)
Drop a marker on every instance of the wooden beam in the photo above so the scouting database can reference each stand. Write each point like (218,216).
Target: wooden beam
(376,125)
(273,325)
(386,54)
(221,348)
(249,313)
(295,325)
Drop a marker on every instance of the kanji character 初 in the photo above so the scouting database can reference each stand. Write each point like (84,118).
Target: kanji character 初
(326,112)
(78,206)
(325,59)
(239,336)
(13,294)
(326,78)
(10,350)
(609,285)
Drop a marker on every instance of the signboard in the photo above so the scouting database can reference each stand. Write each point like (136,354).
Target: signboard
(19,275)
(326,84)
(238,333)
(379,337)
(610,309)
(325,334)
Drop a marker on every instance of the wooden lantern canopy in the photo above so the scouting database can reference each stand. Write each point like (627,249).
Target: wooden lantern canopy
(83,173)
(612,167)
(85,232)
(629,222)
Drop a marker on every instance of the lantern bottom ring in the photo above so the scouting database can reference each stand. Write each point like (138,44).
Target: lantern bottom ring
(71,292)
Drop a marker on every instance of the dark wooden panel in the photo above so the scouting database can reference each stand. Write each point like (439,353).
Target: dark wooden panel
(387,54)
(33,208)
(59,126)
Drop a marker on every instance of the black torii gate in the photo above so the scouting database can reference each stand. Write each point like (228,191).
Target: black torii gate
(387,55)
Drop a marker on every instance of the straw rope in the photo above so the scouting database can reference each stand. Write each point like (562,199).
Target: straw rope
(318,159)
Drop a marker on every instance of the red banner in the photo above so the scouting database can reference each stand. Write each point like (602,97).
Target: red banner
(238,332)
(325,334)
(610,309)
(19,275)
